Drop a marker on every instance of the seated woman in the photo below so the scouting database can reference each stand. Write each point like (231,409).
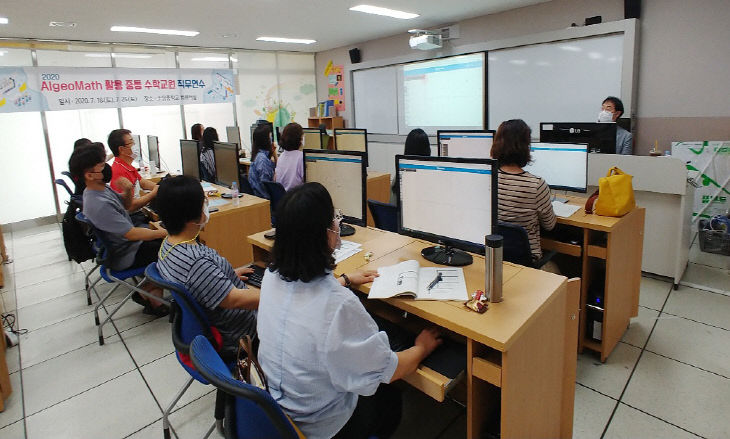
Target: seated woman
(290,166)
(326,363)
(523,198)
(262,166)
(207,157)
(208,277)
(417,143)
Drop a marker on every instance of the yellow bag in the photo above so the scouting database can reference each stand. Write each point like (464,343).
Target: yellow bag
(615,194)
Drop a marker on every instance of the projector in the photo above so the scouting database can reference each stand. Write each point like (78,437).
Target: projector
(425,42)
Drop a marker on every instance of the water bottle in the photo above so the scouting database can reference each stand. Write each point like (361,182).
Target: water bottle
(493,267)
(234,193)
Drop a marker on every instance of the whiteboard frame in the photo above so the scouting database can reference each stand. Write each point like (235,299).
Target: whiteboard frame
(629,69)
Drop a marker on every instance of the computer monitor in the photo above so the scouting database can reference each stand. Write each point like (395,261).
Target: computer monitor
(465,143)
(153,153)
(344,175)
(562,165)
(351,139)
(190,158)
(312,138)
(137,150)
(234,136)
(448,200)
(600,137)
(226,163)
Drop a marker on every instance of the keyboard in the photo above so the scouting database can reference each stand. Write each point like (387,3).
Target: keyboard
(255,278)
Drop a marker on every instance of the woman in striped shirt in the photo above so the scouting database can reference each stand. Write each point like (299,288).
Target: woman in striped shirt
(524,199)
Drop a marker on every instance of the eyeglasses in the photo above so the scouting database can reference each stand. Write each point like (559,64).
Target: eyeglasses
(336,221)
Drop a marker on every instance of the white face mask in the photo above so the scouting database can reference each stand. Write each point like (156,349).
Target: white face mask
(206,216)
(605,116)
(336,230)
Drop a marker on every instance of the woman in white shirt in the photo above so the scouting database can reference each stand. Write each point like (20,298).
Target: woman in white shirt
(326,363)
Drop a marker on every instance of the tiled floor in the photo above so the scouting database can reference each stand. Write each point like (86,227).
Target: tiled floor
(669,377)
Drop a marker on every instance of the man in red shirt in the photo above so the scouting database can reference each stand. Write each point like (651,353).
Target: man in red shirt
(121,143)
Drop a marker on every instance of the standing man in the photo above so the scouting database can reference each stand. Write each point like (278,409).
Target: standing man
(121,143)
(611,110)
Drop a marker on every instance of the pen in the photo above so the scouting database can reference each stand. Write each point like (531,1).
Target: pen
(436,280)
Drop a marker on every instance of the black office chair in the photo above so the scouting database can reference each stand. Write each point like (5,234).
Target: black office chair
(385,215)
(517,246)
(244,185)
(276,192)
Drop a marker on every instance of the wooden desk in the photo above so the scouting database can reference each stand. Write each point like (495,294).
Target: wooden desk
(521,353)
(378,189)
(154,178)
(610,252)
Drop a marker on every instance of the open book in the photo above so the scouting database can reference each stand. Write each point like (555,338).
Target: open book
(409,279)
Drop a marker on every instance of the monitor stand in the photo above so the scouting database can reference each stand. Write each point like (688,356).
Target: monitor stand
(346,230)
(446,255)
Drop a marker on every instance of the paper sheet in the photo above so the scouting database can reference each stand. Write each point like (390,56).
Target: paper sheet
(347,249)
(564,210)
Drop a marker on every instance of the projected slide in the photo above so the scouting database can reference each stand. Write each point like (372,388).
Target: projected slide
(444,93)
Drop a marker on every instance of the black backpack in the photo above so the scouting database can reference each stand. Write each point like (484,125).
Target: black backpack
(76,239)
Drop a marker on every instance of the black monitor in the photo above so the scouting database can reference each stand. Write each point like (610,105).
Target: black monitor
(344,175)
(562,165)
(311,138)
(153,153)
(447,200)
(190,158)
(465,143)
(600,137)
(226,163)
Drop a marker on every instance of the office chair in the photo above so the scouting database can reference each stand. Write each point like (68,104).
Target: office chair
(385,215)
(244,186)
(188,322)
(250,412)
(276,192)
(517,246)
(61,182)
(118,278)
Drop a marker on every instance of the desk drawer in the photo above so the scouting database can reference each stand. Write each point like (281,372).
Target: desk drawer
(431,382)
(487,371)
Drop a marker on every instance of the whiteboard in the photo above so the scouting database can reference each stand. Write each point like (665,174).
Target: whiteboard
(563,81)
(376,101)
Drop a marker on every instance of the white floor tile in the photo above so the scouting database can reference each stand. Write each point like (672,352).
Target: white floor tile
(653,292)
(77,371)
(697,256)
(683,395)
(50,289)
(15,430)
(166,377)
(149,341)
(693,343)
(10,304)
(610,377)
(191,421)
(8,277)
(703,306)
(113,410)
(629,423)
(47,272)
(711,277)
(640,327)
(21,251)
(52,341)
(40,259)
(19,234)
(591,413)
(54,310)
(12,357)
(38,238)
(14,404)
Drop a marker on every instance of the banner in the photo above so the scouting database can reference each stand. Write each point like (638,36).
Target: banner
(72,88)
(708,164)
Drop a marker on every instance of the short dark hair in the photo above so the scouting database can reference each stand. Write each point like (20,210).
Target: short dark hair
(84,158)
(210,135)
(116,139)
(511,144)
(417,143)
(179,200)
(617,104)
(261,139)
(81,142)
(291,137)
(301,250)
(196,131)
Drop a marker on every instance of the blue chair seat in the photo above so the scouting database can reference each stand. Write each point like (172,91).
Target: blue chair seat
(123,274)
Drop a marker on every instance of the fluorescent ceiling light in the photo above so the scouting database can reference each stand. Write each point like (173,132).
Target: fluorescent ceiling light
(118,55)
(4,20)
(571,48)
(183,33)
(286,40)
(214,58)
(2,52)
(383,11)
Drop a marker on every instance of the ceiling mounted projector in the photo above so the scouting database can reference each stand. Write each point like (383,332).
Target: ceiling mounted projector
(425,42)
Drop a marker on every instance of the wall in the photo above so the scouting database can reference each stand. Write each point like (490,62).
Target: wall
(683,59)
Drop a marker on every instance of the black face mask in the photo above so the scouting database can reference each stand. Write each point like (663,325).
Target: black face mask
(106,173)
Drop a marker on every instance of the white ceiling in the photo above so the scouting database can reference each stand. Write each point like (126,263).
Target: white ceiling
(328,21)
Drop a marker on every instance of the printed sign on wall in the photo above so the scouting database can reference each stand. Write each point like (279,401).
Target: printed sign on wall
(336,87)
(69,88)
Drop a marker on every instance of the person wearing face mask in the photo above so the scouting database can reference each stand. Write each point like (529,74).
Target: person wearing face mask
(122,145)
(209,278)
(611,109)
(129,246)
(327,364)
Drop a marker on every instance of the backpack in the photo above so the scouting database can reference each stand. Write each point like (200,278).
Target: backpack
(78,243)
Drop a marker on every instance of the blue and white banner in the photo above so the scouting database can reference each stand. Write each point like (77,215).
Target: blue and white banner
(71,88)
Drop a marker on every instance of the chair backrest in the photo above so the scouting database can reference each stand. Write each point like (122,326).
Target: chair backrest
(385,215)
(257,415)
(245,186)
(62,182)
(276,192)
(516,244)
(100,244)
